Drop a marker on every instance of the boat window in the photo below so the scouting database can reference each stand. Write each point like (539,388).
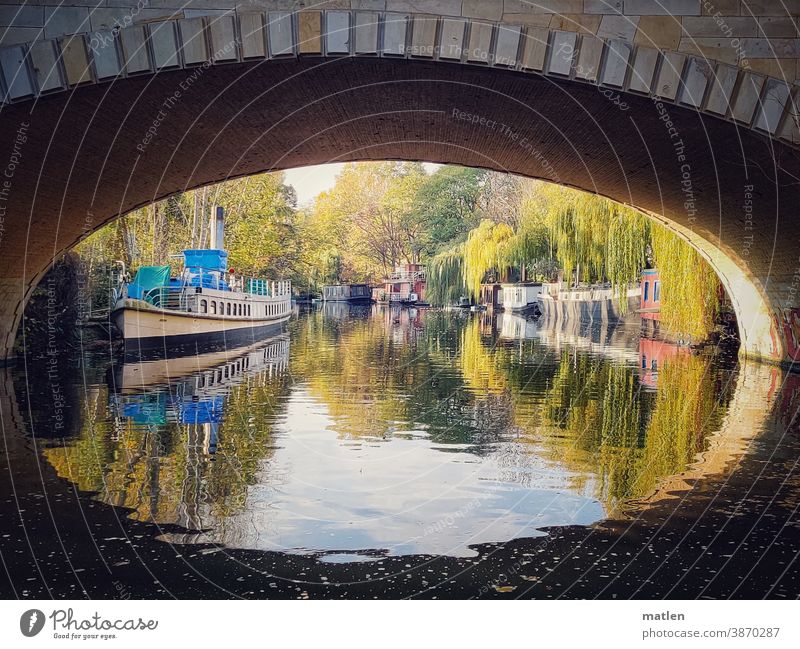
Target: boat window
(656,291)
(213,307)
(203,306)
(228,308)
(248,310)
(646,290)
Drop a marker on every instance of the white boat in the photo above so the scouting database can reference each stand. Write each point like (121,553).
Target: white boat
(204,306)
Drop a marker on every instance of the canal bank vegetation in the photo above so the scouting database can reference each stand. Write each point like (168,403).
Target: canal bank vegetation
(467,226)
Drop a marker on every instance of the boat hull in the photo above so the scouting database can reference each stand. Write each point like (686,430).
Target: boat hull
(154,333)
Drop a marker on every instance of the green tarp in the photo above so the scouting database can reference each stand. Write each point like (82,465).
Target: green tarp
(147,278)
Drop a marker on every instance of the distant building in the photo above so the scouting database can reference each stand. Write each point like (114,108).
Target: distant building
(651,294)
(492,295)
(517,297)
(406,285)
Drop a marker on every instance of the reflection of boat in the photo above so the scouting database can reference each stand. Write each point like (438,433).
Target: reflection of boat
(345,310)
(133,376)
(615,339)
(205,305)
(191,391)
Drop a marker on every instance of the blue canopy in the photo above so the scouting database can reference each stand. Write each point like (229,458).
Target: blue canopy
(207,260)
(207,267)
(147,278)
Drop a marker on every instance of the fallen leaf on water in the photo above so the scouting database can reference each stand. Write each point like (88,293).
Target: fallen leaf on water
(505,589)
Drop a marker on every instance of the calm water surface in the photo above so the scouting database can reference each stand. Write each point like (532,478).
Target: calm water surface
(366,433)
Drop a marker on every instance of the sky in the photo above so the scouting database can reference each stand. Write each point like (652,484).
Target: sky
(309,182)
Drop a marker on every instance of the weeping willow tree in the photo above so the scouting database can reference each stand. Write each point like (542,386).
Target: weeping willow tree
(628,238)
(576,229)
(445,276)
(529,249)
(486,249)
(690,289)
(594,239)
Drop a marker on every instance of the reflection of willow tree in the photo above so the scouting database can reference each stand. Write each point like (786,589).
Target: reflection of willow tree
(376,384)
(599,425)
(162,470)
(688,407)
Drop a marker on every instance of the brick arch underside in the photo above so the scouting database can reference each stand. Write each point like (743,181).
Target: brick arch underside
(77,160)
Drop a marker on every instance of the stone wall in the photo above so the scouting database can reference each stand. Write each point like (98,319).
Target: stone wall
(761,35)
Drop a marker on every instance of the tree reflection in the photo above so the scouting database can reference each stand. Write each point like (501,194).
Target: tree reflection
(190,452)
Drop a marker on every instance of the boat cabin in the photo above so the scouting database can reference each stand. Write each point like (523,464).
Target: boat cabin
(347,293)
(521,296)
(406,285)
(650,303)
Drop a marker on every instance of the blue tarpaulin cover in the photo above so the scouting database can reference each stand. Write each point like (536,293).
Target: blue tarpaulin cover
(206,268)
(148,277)
(206,259)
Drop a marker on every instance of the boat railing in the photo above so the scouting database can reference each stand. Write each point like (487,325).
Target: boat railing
(406,276)
(268,288)
(158,296)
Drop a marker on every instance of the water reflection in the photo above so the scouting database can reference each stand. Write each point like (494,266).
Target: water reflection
(374,430)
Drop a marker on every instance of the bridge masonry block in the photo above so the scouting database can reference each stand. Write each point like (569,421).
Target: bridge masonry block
(45,64)
(480,42)
(746,98)
(669,76)
(224,43)
(337,31)
(722,84)
(644,67)
(193,40)
(423,36)
(134,47)
(395,27)
(309,32)
(563,53)
(616,68)
(281,36)
(698,74)
(75,59)
(253,35)
(103,46)
(164,44)
(452,43)
(535,48)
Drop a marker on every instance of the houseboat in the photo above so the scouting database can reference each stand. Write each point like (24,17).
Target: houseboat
(588,302)
(521,297)
(206,304)
(405,286)
(359,293)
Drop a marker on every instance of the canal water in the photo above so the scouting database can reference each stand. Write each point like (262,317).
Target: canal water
(386,452)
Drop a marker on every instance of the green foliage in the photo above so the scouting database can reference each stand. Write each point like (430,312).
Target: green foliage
(445,276)
(690,289)
(446,207)
(486,249)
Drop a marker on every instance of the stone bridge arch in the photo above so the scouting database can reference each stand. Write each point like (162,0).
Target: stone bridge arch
(98,120)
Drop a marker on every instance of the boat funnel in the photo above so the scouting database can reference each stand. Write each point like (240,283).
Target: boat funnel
(217,241)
